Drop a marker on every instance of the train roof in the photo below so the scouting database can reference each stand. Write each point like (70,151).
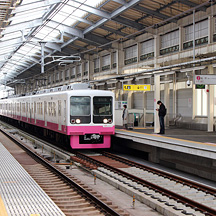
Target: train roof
(73,89)
(80,92)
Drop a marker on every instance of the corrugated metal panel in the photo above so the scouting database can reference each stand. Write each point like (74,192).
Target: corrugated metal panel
(184,102)
(150,100)
(138,100)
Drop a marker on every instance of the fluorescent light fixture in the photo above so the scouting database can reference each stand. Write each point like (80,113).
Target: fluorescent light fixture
(143,77)
(111,82)
(166,81)
(99,84)
(193,68)
(126,80)
(164,73)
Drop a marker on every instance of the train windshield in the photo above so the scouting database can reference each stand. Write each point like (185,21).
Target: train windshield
(102,105)
(80,106)
(80,111)
(102,109)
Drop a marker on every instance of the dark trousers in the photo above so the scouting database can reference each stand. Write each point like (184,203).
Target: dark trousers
(162,129)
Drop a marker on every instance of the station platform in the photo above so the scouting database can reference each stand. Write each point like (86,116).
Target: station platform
(20,195)
(193,151)
(200,143)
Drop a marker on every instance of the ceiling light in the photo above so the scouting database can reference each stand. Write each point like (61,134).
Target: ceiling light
(193,68)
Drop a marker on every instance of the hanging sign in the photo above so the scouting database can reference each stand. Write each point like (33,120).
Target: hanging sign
(137,87)
(205,79)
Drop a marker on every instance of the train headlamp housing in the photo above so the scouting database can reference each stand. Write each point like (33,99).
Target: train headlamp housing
(110,121)
(105,121)
(73,121)
(78,121)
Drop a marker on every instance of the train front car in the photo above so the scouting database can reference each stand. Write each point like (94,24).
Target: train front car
(91,119)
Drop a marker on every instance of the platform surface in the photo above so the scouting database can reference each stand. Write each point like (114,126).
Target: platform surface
(195,142)
(20,195)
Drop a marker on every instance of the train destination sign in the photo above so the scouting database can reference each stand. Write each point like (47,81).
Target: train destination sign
(136,87)
(205,79)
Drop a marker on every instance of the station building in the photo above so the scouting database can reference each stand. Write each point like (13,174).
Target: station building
(110,44)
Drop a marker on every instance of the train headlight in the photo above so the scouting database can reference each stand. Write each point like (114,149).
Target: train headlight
(78,121)
(105,121)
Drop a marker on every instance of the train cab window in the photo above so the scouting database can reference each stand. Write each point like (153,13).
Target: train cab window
(102,109)
(80,109)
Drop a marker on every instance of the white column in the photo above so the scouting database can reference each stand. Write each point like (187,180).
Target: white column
(120,61)
(130,100)
(156,98)
(210,111)
(210,29)
(174,96)
(166,102)
(144,108)
(194,98)
(181,38)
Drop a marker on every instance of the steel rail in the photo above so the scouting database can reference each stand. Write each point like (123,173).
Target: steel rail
(98,203)
(179,198)
(179,179)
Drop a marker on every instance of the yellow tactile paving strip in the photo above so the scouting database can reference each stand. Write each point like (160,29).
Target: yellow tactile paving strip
(3,211)
(170,138)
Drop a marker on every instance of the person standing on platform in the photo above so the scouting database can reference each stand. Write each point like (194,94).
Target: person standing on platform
(161,113)
(125,117)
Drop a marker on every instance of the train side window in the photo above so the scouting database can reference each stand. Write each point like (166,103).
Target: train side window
(34,107)
(50,108)
(45,107)
(54,109)
(41,108)
(59,108)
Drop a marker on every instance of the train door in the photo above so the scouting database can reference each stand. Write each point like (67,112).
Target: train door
(59,115)
(27,111)
(15,109)
(34,112)
(45,113)
(20,110)
(30,104)
(64,115)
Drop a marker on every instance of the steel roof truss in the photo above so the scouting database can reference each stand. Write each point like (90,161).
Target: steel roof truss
(38,4)
(119,1)
(22,26)
(129,23)
(153,13)
(65,28)
(92,10)
(192,4)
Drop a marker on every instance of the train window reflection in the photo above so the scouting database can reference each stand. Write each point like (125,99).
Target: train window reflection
(80,106)
(102,105)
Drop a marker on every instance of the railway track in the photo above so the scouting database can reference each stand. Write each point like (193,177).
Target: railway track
(164,192)
(69,193)
(179,195)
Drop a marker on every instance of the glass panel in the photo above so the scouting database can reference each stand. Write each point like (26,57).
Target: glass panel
(170,39)
(204,102)
(106,60)
(102,105)
(79,106)
(201,30)
(131,52)
(198,107)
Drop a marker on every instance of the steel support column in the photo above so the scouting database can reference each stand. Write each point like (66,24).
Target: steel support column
(156,98)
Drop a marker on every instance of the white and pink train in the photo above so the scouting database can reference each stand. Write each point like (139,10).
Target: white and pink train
(82,115)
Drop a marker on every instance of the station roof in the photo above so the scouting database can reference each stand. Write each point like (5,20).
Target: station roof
(76,27)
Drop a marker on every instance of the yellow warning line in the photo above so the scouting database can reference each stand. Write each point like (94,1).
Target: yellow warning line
(171,138)
(143,128)
(3,211)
